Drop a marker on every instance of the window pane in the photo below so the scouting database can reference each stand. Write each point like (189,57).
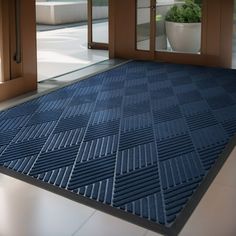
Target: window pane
(143,25)
(100,27)
(1,69)
(177,31)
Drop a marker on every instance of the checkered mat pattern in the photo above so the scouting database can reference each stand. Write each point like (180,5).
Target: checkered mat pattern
(140,137)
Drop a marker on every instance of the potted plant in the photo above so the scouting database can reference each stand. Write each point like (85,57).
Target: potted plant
(183,27)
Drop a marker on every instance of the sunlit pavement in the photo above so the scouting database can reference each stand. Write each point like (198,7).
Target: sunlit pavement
(63,50)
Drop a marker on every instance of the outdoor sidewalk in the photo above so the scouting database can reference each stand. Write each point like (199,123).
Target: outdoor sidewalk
(63,50)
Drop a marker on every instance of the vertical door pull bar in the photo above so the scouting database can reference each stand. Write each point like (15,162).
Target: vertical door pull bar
(17,57)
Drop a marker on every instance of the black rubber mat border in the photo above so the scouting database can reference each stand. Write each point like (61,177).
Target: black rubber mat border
(203,187)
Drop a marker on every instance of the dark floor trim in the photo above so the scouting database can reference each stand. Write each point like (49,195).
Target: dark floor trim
(73,71)
(65,84)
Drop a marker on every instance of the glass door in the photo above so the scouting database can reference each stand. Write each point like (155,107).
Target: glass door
(145,32)
(178,26)
(10,40)
(98,24)
(168,27)
(143,27)
(1,49)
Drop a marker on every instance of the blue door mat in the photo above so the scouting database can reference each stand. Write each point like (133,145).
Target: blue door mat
(142,141)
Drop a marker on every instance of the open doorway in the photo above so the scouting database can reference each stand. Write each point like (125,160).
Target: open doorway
(97,33)
(62,36)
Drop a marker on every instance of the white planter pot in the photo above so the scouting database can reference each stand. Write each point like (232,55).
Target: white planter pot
(184,37)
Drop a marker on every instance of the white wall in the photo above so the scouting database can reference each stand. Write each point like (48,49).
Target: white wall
(54,13)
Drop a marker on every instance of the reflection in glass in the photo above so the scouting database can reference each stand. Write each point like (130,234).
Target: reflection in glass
(178,26)
(100,11)
(143,25)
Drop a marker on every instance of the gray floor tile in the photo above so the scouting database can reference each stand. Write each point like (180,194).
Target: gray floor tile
(102,224)
(30,211)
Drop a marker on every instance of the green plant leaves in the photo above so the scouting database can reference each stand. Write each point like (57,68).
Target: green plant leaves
(189,12)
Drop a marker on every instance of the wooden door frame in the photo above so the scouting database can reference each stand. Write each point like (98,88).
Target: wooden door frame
(18,78)
(4,41)
(216,35)
(167,56)
(181,57)
(91,43)
(222,56)
(146,54)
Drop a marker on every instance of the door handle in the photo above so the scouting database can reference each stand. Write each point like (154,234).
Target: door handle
(17,56)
